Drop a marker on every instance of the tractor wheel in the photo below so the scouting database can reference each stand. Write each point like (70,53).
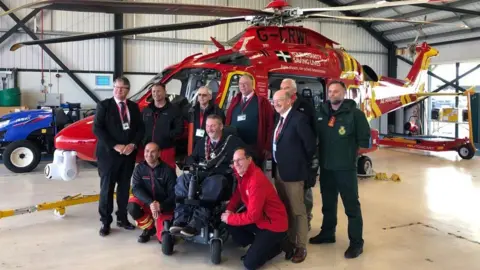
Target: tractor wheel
(364,166)
(21,156)
(466,151)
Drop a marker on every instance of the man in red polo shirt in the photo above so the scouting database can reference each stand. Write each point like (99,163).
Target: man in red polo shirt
(264,224)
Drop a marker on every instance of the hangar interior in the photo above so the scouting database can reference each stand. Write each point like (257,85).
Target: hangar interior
(427,220)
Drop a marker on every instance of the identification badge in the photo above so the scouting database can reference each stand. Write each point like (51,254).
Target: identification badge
(241,117)
(126,126)
(200,133)
(331,122)
(274,148)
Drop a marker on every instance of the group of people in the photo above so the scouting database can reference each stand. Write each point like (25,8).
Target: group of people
(299,140)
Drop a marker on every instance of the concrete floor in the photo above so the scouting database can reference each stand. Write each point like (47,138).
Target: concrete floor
(430,220)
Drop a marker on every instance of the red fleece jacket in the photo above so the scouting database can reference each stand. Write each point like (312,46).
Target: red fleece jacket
(264,207)
(265,121)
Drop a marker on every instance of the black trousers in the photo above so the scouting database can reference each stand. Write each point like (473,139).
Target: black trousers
(264,244)
(344,182)
(114,171)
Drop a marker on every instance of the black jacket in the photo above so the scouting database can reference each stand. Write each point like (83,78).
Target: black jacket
(157,184)
(212,108)
(295,148)
(302,105)
(339,143)
(162,125)
(107,127)
(231,143)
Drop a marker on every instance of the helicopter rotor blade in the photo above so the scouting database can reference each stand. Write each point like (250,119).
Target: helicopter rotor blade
(110,6)
(132,31)
(322,16)
(308,11)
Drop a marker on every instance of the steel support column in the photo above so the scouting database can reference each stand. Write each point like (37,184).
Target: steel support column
(457,83)
(118,47)
(392,73)
(51,54)
(15,28)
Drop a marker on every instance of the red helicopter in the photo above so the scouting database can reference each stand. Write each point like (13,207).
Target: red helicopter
(269,50)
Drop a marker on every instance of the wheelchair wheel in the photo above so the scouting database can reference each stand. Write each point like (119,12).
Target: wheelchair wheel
(167,243)
(216,251)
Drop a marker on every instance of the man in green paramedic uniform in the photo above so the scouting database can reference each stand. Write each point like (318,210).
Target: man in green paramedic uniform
(342,130)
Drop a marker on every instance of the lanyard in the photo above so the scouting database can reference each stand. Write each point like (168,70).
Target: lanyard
(245,106)
(201,118)
(120,111)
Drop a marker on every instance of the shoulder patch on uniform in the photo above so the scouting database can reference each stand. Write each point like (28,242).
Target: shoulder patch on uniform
(320,118)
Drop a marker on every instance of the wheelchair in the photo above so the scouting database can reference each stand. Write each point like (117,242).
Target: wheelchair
(216,232)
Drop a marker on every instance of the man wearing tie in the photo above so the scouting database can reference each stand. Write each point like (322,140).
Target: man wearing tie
(119,130)
(293,148)
(252,116)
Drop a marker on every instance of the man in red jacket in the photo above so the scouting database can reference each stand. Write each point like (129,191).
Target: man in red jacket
(264,224)
(252,116)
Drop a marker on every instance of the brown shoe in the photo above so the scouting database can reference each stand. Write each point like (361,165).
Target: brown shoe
(300,255)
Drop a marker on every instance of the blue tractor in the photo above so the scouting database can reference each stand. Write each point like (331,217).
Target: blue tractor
(26,135)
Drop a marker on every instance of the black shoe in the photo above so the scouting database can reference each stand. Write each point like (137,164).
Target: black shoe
(322,239)
(288,248)
(189,231)
(146,234)
(126,225)
(353,252)
(104,230)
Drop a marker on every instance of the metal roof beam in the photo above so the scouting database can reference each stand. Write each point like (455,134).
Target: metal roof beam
(450,9)
(417,13)
(51,54)
(410,28)
(441,35)
(366,26)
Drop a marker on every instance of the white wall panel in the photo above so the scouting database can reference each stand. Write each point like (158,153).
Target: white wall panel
(352,37)
(154,56)
(82,55)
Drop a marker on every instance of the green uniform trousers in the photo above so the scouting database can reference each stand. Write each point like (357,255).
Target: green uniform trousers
(345,183)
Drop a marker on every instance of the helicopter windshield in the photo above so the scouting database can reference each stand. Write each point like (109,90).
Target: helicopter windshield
(137,96)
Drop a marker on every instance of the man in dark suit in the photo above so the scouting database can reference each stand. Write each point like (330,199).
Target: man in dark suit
(293,149)
(119,129)
(304,106)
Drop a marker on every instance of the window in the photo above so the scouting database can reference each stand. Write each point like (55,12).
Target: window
(305,86)
(235,58)
(354,94)
(232,90)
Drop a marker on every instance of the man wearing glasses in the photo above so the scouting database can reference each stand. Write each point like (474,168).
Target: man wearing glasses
(119,130)
(203,108)
(264,224)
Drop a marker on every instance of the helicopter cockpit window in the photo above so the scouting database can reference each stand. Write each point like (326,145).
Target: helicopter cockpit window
(137,96)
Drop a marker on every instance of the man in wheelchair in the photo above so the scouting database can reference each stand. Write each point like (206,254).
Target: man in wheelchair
(214,179)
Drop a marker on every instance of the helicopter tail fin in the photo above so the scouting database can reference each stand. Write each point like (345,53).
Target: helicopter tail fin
(390,94)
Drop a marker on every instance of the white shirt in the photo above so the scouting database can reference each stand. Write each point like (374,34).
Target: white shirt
(120,107)
(249,96)
(284,115)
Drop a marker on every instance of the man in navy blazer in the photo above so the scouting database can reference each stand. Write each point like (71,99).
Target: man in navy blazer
(119,129)
(293,149)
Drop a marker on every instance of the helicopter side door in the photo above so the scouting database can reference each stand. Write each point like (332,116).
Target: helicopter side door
(310,88)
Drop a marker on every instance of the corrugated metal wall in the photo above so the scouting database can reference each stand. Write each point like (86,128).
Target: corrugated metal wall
(153,52)
(84,55)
